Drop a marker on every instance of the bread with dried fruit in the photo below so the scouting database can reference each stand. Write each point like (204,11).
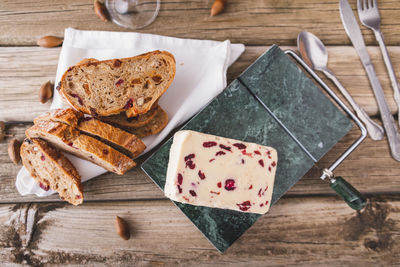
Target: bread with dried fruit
(108,87)
(71,140)
(51,169)
(119,139)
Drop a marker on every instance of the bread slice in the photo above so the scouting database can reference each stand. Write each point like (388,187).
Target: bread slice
(121,140)
(155,126)
(110,87)
(124,141)
(71,140)
(68,116)
(121,120)
(51,169)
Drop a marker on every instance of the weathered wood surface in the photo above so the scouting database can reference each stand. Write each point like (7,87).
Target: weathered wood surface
(24,69)
(259,22)
(370,169)
(297,231)
(307,227)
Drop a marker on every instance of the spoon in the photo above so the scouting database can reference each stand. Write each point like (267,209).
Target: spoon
(314,53)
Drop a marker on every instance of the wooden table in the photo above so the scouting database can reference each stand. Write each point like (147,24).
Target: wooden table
(309,226)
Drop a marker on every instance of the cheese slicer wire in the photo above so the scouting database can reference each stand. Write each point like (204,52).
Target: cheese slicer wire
(342,188)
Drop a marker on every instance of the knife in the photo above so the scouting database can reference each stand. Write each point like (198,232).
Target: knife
(353,31)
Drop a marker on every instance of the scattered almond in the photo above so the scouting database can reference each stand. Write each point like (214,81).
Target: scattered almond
(101,10)
(122,228)
(217,7)
(46,92)
(13,150)
(2,130)
(49,41)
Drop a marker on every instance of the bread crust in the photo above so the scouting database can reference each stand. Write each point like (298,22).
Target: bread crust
(48,153)
(155,126)
(68,116)
(130,142)
(86,147)
(127,142)
(86,61)
(132,107)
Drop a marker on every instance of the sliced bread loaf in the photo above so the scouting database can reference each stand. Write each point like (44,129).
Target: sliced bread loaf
(71,140)
(108,87)
(121,140)
(51,169)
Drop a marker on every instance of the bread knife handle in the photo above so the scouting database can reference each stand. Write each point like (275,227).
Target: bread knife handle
(348,193)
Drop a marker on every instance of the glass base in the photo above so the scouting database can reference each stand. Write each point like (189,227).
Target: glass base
(133,14)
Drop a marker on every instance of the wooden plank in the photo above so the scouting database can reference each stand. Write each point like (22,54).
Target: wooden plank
(296,231)
(370,169)
(256,23)
(24,69)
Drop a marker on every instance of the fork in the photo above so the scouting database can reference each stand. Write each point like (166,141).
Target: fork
(369,16)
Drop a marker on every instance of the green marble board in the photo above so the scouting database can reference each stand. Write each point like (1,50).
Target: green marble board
(295,111)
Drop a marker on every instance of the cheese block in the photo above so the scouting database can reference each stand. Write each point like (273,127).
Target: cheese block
(217,172)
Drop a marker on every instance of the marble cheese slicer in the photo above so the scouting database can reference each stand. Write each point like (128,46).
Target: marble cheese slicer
(345,190)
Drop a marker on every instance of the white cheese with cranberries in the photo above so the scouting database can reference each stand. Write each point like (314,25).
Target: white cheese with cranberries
(217,172)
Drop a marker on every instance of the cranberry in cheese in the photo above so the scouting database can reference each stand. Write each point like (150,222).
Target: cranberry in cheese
(217,172)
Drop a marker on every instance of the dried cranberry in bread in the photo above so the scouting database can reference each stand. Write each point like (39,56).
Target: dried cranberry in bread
(71,140)
(51,169)
(121,140)
(154,126)
(121,120)
(110,87)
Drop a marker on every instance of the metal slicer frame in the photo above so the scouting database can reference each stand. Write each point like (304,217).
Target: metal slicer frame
(328,172)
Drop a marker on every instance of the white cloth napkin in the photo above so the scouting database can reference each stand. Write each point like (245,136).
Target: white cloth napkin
(201,67)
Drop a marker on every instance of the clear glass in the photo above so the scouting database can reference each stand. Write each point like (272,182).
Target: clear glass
(133,14)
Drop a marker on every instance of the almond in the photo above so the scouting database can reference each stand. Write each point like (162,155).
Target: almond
(100,10)
(49,41)
(2,130)
(140,101)
(122,228)
(217,7)
(46,92)
(13,150)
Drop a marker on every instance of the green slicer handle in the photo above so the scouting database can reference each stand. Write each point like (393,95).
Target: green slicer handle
(349,194)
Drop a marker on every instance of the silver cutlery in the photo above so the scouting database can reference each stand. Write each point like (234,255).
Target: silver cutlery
(314,53)
(353,31)
(369,17)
